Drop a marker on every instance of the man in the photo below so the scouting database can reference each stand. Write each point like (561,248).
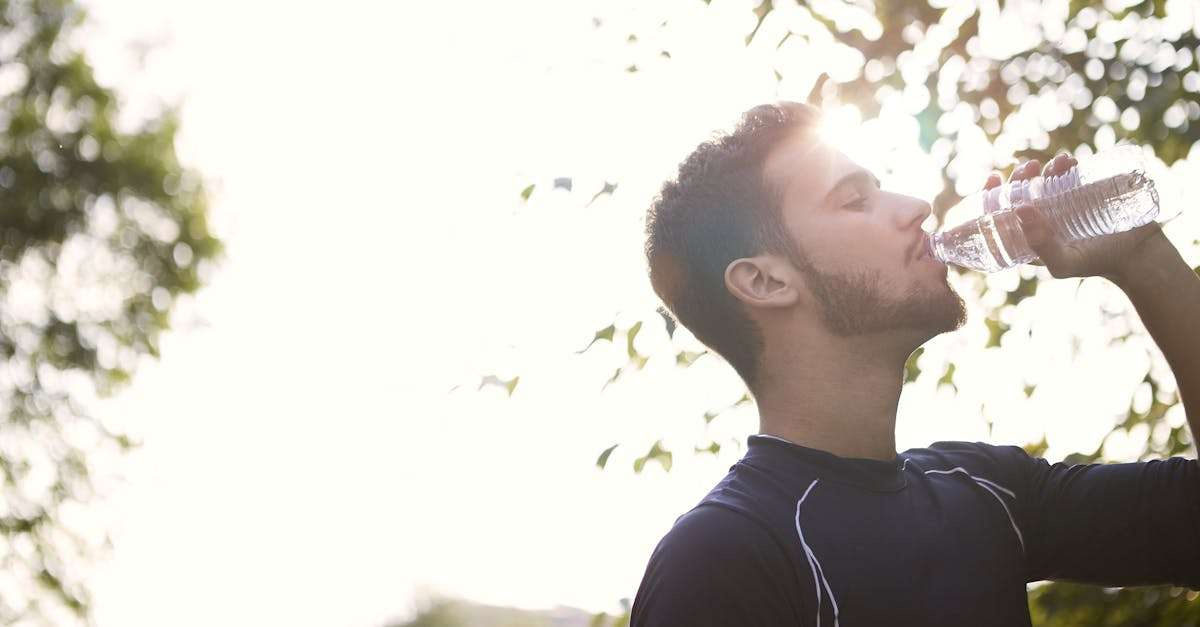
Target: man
(786,257)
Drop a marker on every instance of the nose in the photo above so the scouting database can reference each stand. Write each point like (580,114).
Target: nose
(912,213)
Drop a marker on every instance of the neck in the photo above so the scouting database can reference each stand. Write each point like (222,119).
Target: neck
(834,394)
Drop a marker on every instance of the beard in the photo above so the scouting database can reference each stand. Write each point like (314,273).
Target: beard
(855,304)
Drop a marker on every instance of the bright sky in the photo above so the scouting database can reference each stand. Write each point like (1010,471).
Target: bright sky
(305,461)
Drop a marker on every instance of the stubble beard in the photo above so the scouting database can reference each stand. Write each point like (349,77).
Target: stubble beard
(855,304)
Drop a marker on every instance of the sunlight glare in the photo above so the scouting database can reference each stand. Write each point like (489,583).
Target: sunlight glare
(841,126)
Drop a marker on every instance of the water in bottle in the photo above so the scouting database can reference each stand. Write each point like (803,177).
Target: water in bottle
(1103,194)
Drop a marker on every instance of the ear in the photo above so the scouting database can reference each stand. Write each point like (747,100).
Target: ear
(763,281)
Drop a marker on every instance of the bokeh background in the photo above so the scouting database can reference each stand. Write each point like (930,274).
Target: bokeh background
(336,313)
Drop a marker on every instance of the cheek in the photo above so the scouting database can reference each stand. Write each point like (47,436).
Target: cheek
(852,249)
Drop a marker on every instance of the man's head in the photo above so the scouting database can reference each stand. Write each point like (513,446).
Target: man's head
(769,227)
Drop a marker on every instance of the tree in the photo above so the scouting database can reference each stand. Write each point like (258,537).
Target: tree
(101,230)
(443,612)
(1078,77)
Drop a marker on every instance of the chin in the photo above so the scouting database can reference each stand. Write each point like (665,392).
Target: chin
(940,312)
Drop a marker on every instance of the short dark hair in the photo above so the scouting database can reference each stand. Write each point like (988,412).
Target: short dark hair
(719,208)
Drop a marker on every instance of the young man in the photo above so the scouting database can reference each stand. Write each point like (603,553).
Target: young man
(786,257)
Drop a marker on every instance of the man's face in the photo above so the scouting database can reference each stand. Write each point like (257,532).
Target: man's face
(860,247)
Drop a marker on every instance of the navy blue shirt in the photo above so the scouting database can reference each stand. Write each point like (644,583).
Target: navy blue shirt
(945,535)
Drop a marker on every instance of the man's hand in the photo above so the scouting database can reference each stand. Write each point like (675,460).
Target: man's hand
(1146,266)
(1108,256)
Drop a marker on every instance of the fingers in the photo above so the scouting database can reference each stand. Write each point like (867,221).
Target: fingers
(1031,226)
(1026,170)
(1056,166)
(993,180)
(1037,233)
(1059,164)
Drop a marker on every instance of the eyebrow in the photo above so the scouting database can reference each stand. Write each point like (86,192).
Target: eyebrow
(858,174)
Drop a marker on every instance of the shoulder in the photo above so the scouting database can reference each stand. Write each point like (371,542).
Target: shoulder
(712,532)
(718,566)
(1006,464)
(970,456)
(711,545)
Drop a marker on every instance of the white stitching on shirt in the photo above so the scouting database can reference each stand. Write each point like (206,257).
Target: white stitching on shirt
(984,483)
(997,486)
(812,559)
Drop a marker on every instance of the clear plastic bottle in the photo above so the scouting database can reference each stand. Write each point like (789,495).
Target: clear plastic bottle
(1103,194)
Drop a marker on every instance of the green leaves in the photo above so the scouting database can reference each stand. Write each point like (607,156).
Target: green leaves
(602,461)
(603,334)
(760,13)
(1026,287)
(911,370)
(613,379)
(948,377)
(712,414)
(664,457)
(656,454)
(1063,604)
(566,183)
(608,189)
(685,358)
(1037,449)
(996,330)
(637,360)
(491,379)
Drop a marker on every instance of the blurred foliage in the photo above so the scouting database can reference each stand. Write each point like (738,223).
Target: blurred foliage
(1065,603)
(636,360)
(1125,71)
(508,385)
(101,229)
(440,614)
(461,613)
(1090,75)
(656,453)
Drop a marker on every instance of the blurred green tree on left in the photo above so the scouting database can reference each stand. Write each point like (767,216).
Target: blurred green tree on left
(101,229)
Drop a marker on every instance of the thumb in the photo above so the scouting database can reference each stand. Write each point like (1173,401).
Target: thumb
(1038,234)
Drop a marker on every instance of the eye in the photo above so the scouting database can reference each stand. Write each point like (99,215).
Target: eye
(856,204)
(865,189)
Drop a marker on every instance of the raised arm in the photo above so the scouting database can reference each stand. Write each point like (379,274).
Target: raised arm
(1143,263)
(1166,294)
(1119,524)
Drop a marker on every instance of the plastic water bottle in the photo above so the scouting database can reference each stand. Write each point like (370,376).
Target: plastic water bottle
(1103,194)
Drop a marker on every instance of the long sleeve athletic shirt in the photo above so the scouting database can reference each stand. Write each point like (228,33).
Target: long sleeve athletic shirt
(945,535)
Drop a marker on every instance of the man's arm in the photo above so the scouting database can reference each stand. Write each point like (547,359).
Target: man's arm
(1143,263)
(1166,294)
(1107,524)
(1119,524)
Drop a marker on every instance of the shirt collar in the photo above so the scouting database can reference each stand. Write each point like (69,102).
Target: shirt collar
(869,474)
